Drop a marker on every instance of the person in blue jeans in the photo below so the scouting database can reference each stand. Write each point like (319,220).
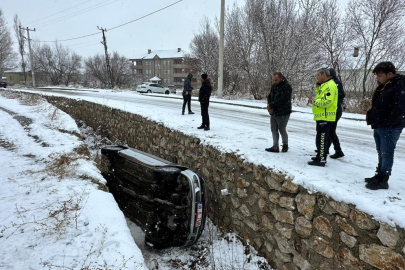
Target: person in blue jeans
(387,119)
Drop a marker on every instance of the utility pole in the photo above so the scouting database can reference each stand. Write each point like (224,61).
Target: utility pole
(221,51)
(31,57)
(107,57)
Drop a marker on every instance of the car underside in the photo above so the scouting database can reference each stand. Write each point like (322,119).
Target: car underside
(166,200)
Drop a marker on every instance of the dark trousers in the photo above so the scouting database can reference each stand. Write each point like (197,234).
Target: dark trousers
(386,140)
(204,114)
(322,138)
(333,138)
(187,100)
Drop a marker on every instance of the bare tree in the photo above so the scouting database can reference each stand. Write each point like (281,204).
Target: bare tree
(7,56)
(121,70)
(333,35)
(21,43)
(379,32)
(205,47)
(56,63)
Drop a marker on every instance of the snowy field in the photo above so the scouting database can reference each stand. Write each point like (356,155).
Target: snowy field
(246,131)
(56,214)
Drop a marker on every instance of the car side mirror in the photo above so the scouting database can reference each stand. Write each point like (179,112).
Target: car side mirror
(174,159)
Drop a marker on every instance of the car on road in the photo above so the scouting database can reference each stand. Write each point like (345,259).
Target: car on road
(166,200)
(147,87)
(172,89)
(3,82)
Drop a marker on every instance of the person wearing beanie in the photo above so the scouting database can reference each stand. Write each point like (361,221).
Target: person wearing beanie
(333,138)
(204,99)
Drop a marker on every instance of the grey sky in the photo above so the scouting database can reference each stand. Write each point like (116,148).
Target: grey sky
(168,29)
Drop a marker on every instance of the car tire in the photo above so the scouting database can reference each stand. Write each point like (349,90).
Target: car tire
(167,92)
(149,91)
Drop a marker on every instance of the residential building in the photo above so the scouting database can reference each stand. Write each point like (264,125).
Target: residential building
(168,65)
(16,76)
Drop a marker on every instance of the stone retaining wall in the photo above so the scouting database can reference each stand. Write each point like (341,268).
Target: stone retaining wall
(292,228)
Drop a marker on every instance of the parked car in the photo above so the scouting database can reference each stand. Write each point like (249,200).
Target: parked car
(3,82)
(166,200)
(172,89)
(147,87)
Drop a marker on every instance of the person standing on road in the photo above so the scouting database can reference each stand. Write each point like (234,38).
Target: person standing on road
(187,94)
(324,108)
(333,138)
(204,99)
(387,118)
(279,107)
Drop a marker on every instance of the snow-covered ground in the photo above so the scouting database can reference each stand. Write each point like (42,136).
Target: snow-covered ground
(56,214)
(246,131)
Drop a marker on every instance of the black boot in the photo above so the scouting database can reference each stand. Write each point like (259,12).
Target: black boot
(190,112)
(380,182)
(337,154)
(317,162)
(316,158)
(285,148)
(201,127)
(207,128)
(273,149)
(182,112)
(370,179)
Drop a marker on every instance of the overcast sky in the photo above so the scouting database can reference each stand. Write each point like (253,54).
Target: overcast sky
(168,29)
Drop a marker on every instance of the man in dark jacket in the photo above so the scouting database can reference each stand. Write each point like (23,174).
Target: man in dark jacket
(333,138)
(387,118)
(187,93)
(279,107)
(204,99)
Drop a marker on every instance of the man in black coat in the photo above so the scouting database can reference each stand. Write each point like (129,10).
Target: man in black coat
(204,99)
(187,93)
(279,107)
(333,138)
(387,118)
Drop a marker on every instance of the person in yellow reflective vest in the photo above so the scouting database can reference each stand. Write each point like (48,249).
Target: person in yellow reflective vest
(324,108)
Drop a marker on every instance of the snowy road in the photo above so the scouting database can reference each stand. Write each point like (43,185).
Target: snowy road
(247,132)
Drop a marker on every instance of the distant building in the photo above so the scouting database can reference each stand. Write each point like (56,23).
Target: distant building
(16,76)
(168,65)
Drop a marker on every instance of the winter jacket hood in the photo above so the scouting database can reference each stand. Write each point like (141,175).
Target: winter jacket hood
(325,103)
(187,84)
(279,98)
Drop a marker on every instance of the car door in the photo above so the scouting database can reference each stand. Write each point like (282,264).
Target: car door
(152,87)
(160,89)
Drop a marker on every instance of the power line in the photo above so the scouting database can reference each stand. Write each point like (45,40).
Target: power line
(89,35)
(147,15)
(41,25)
(59,12)
(87,42)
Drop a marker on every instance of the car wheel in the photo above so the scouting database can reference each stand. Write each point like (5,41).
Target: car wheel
(167,92)
(149,91)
